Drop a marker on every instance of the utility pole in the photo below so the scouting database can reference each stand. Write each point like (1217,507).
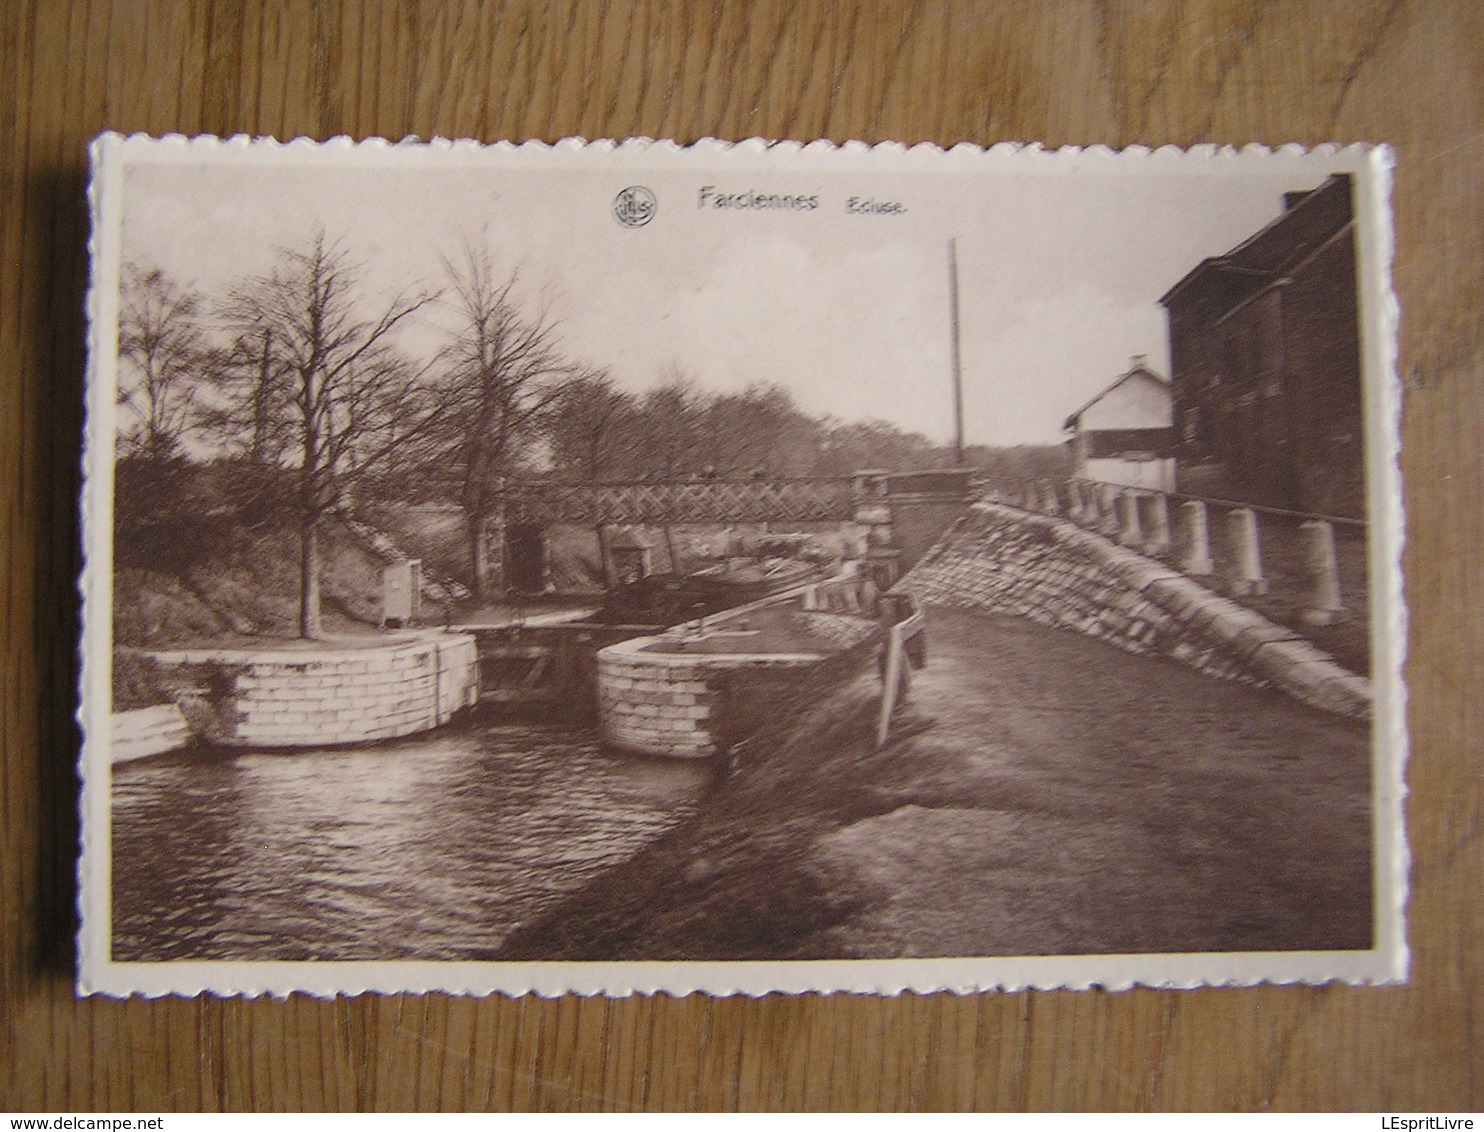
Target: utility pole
(958,380)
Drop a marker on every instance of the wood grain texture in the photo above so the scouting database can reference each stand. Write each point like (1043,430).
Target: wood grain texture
(1410,72)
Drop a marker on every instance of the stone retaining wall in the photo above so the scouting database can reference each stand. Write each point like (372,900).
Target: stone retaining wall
(324,696)
(696,705)
(148,731)
(1005,560)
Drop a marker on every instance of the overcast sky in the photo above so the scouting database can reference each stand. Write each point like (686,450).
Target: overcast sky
(1060,265)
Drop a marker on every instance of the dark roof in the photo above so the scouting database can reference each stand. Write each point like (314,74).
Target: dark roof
(1140,369)
(1309,220)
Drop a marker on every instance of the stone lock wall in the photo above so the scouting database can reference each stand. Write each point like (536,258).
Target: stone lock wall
(300,698)
(148,731)
(1004,560)
(696,705)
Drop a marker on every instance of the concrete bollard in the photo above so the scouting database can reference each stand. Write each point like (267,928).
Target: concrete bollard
(1130,532)
(1321,574)
(1074,501)
(1156,523)
(1092,512)
(1108,510)
(1050,504)
(1195,540)
(1244,574)
(1101,502)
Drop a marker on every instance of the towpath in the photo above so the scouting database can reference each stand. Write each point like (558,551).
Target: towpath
(1070,797)
(1045,794)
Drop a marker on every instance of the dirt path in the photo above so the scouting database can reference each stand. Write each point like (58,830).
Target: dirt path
(1048,794)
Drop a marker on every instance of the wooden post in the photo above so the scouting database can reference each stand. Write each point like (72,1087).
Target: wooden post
(605,556)
(895,683)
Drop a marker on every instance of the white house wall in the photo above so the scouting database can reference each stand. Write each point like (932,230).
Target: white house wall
(1138,403)
(1157,475)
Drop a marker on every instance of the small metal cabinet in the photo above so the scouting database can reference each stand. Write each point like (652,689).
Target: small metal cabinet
(401,593)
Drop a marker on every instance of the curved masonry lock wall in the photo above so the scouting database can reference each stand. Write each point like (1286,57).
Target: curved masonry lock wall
(1005,560)
(696,705)
(148,731)
(324,696)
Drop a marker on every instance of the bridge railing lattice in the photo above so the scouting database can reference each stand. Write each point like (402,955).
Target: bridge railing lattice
(690,501)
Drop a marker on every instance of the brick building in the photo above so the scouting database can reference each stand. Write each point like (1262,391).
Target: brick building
(1265,363)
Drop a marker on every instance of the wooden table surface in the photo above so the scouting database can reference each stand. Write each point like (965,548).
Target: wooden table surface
(1408,72)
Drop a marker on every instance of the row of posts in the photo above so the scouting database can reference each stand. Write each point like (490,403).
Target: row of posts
(1140,519)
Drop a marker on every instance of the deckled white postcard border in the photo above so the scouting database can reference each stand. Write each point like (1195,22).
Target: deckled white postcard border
(1387,960)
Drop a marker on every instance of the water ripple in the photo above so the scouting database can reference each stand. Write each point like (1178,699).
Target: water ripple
(428,848)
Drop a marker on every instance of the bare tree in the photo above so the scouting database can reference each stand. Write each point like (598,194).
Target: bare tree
(330,397)
(669,438)
(845,447)
(590,426)
(252,410)
(502,369)
(164,350)
(758,431)
(672,426)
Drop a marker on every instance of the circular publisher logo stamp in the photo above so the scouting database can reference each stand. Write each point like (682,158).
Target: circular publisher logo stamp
(635,206)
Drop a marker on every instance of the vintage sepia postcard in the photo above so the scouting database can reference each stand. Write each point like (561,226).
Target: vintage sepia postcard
(626,567)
